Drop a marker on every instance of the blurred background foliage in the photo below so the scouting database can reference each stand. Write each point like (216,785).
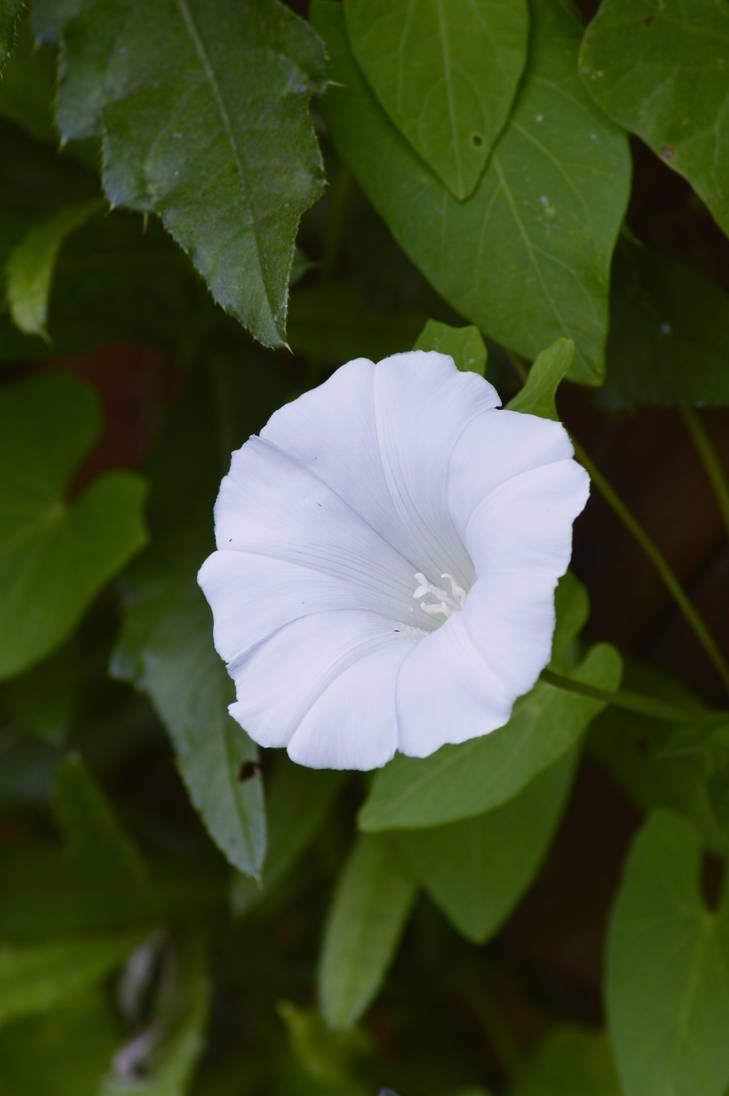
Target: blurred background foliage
(205,207)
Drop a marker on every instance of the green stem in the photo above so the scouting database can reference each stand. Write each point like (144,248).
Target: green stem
(675,588)
(634,702)
(709,459)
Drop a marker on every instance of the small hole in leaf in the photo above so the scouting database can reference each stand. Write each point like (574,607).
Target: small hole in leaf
(247,771)
(476,140)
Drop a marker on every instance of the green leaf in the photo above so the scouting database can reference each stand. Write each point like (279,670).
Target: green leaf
(203,109)
(180,1021)
(298,801)
(476,870)
(55,554)
(62,1053)
(655,762)
(526,258)
(550,368)
(31,262)
(11,12)
(43,700)
(570,1062)
(38,977)
(462,781)
(367,917)
(28,84)
(669,333)
(659,70)
(572,607)
(165,646)
(324,1056)
(463,344)
(49,16)
(446,73)
(668,969)
(96,843)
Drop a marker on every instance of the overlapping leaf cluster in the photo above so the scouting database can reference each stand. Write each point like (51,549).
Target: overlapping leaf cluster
(180,914)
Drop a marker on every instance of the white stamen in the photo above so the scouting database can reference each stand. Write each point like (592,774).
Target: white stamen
(449,601)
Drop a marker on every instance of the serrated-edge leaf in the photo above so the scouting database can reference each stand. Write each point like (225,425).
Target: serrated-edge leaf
(237,214)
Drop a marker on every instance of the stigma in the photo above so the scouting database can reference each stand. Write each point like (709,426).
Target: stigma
(446,602)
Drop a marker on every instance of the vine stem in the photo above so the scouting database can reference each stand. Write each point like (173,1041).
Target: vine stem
(675,588)
(634,702)
(709,459)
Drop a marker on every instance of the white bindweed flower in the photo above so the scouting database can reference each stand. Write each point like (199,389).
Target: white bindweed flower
(388,549)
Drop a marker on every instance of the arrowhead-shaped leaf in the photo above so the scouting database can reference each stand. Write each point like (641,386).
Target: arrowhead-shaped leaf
(660,70)
(527,256)
(55,553)
(668,969)
(446,72)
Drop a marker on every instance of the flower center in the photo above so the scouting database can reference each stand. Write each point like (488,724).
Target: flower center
(446,602)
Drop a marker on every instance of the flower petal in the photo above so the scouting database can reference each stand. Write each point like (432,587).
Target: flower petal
(526,522)
(446,693)
(353,724)
(281,679)
(422,405)
(381,436)
(520,539)
(495,447)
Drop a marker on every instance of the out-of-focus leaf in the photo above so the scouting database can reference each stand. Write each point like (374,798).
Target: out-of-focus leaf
(463,344)
(298,801)
(570,1062)
(180,1022)
(96,845)
(659,764)
(166,649)
(65,1052)
(526,257)
(669,333)
(366,920)
(43,699)
(55,554)
(38,977)
(659,69)
(545,376)
(668,969)
(462,781)
(445,73)
(572,606)
(28,85)
(11,11)
(49,16)
(203,110)
(325,1056)
(165,646)
(332,323)
(31,262)
(476,870)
